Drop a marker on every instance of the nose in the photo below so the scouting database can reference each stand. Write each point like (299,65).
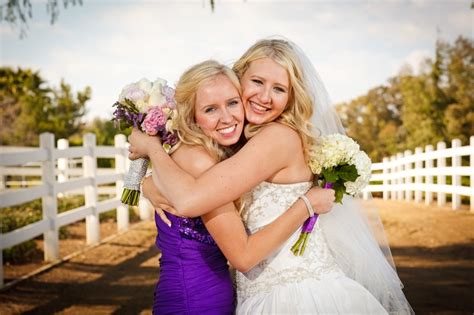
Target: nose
(226,116)
(264,95)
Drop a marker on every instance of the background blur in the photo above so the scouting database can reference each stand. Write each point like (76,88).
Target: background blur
(397,62)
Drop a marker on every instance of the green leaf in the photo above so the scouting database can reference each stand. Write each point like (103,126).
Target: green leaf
(329,175)
(348,173)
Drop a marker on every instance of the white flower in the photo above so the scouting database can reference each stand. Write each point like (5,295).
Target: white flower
(156,98)
(336,149)
(145,85)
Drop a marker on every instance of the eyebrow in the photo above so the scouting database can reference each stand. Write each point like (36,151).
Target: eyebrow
(263,79)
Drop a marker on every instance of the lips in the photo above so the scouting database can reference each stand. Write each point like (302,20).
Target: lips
(259,109)
(227,131)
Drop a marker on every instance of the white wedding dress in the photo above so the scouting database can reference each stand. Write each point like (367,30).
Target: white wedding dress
(289,284)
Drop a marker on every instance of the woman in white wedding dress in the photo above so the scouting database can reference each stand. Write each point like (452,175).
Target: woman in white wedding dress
(343,269)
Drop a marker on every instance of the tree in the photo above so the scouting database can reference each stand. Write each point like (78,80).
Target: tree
(29,107)
(18,12)
(104,130)
(459,114)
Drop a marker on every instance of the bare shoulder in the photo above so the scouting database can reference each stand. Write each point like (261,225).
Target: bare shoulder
(194,159)
(279,133)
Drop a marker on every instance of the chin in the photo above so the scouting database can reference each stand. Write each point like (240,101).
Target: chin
(227,142)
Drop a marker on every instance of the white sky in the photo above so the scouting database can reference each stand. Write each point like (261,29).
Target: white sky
(355,45)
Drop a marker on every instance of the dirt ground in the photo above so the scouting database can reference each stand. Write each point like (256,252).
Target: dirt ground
(433,249)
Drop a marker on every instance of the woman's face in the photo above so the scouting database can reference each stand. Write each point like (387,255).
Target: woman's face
(219,110)
(265,90)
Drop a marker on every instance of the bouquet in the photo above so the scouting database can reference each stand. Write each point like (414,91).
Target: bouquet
(339,164)
(151,108)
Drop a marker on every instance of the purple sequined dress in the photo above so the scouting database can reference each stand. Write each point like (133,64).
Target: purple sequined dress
(194,275)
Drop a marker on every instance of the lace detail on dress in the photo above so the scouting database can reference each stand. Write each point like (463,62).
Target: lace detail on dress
(271,200)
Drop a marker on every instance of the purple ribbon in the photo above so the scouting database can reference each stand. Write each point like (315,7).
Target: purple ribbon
(308,225)
(328,185)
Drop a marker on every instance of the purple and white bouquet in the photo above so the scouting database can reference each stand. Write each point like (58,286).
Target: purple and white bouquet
(339,164)
(149,106)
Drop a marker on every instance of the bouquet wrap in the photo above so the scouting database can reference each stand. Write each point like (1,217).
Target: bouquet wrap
(151,108)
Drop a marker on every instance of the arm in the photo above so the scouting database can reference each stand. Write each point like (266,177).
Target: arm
(268,152)
(158,202)
(244,251)
(227,229)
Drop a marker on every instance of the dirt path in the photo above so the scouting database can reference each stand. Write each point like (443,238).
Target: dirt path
(433,250)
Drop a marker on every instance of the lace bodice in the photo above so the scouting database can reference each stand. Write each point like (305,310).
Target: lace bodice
(264,204)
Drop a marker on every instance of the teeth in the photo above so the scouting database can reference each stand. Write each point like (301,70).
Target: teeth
(227,130)
(259,108)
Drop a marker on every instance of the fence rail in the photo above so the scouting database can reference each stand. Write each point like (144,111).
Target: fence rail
(51,166)
(424,175)
(46,173)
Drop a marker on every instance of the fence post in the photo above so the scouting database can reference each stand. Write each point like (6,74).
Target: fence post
(122,211)
(393,180)
(3,179)
(441,163)
(418,177)
(428,177)
(471,164)
(63,164)
(456,162)
(385,172)
(400,177)
(90,191)
(49,202)
(408,176)
(1,266)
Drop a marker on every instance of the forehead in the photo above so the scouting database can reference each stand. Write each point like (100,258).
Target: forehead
(269,69)
(216,90)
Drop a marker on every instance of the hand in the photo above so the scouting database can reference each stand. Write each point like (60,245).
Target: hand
(140,144)
(321,199)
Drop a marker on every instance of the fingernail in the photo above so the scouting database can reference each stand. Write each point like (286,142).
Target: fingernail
(169,224)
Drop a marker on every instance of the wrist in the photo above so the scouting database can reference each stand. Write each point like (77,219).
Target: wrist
(308,205)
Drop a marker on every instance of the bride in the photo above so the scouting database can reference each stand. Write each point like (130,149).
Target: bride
(343,269)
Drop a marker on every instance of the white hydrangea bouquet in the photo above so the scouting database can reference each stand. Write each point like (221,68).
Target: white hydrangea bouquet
(339,164)
(149,106)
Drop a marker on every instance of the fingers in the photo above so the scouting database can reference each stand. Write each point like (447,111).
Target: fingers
(163,216)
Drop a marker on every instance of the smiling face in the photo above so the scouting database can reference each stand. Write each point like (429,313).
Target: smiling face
(265,90)
(219,111)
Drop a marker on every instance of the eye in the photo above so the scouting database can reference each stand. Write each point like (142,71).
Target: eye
(209,109)
(233,103)
(257,81)
(279,89)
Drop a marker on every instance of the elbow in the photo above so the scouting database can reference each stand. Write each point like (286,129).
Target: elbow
(243,264)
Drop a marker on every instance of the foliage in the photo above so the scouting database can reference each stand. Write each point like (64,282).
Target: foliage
(18,12)
(29,107)
(415,110)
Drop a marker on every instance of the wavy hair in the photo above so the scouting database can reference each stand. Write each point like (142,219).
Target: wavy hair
(299,109)
(186,88)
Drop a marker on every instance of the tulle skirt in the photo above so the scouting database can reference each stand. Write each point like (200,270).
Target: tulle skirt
(331,295)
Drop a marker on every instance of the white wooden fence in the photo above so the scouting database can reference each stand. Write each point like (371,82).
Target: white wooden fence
(59,180)
(422,176)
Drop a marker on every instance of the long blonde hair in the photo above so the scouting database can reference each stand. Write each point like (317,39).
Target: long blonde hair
(186,88)
(299,109)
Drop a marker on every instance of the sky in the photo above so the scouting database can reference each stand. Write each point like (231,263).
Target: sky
(106,44)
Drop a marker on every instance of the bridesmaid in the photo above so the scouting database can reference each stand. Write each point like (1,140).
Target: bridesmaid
(194,275)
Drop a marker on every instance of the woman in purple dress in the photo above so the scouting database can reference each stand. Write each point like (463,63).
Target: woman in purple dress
(194,274)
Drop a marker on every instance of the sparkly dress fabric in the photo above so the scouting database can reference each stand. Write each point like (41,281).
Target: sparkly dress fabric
(288,284)
(194,275)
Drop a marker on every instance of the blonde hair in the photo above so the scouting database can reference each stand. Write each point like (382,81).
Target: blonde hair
(299,109)
(186,88)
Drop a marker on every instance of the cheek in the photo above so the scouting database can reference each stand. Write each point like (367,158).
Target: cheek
(206,123)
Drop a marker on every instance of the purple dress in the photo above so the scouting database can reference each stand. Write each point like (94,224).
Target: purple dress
(194,275)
